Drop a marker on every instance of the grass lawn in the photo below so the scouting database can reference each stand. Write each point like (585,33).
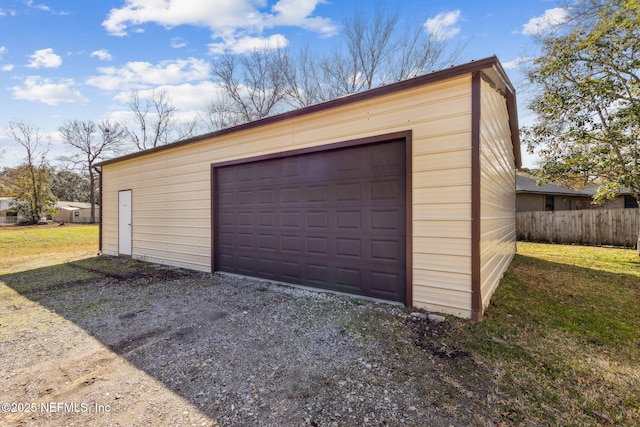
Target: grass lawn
(29,247)
(562,336)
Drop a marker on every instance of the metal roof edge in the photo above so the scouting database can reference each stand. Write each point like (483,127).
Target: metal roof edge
(488,63)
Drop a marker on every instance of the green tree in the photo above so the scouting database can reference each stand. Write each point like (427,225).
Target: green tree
(31,202)
(70,186)
(588,104)
(30,185)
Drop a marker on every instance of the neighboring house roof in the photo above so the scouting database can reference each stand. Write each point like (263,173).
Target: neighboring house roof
(73,206)
(591,190)
(525,184)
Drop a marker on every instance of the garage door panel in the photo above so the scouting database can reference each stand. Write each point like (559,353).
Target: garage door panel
(266,242)
(333,219)
(291,271)
(245,264)
(266,173)
(290,219)
(290,244)
(318,221)
(385,250)
(317,194)
(317,245)
(245,219)
(245,174)
(383,284)
(318,274)
(227,219)
(244,198)
(245,240)
(349,192)
(391,190)
(266,220)
(291,196)
(386,220)
(348,220)
(266,197)
(226,240)
(349,279)
(349,248)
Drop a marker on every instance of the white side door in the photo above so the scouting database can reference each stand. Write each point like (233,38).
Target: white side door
(124,222)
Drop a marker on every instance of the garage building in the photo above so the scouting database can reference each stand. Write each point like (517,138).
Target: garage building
(405,193)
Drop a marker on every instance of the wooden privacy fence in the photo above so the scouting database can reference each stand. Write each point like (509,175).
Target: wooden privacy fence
(616,227)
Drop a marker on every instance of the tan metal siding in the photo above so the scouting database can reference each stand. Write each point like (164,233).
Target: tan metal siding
(497,206)
(171,188)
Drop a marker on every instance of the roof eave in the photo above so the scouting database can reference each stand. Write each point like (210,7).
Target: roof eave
(490,64)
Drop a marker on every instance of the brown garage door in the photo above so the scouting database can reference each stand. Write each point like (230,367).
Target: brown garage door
(330,219)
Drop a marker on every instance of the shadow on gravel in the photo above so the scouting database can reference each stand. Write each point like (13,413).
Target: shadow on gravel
(246,352)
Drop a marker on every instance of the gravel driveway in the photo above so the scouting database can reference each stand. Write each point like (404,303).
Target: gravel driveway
(108,341)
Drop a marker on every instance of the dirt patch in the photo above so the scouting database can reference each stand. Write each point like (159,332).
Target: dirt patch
(132,344)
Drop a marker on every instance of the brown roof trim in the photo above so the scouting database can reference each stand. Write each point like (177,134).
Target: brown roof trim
(476,174)
(491,63)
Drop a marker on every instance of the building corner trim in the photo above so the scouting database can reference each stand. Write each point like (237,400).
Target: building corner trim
(476,283)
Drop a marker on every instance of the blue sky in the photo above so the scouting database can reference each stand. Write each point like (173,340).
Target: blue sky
(73,59)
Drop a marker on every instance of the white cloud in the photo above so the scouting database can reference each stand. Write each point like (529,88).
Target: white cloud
(141,74)
(8,67)
(38,6)
(39,89)
(44,58)
(443,26)
(516,63)
(5,13)
(297,13)
(44,8)
(248,44)
(3,50)
(551,18)
(222,17)
(178,42)
(102,54)
(217,15)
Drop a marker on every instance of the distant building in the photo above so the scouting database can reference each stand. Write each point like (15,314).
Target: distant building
(551,197)
(547,197)
(7,216)
(75,212)
(623,200)
(68,212)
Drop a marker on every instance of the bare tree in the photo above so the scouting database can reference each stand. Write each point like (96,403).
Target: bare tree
(188,129)
(220,114)
(418,53)
(304,87)
(370,43)
(154,119)
(92,142)
(255,83)
(372,52)
(32,190)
